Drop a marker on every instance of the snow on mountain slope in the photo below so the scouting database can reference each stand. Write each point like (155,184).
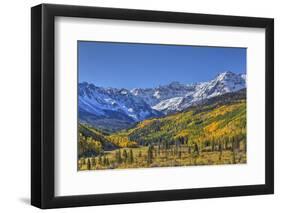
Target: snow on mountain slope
(139,104)
(168,105)
(185,95)
(223,83)
(103,101)
(153,96)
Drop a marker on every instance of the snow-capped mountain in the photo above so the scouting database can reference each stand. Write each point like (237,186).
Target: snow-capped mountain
(153,96)
(176,96)
(97,104)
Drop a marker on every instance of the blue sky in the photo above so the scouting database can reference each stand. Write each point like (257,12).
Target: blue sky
(129,65)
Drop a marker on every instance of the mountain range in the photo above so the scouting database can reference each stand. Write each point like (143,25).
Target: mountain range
(112,109)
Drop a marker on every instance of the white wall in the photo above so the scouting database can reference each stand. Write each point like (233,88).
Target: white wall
(15,104)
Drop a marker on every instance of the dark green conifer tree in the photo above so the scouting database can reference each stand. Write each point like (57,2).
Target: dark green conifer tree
(131,156)
(149,155)
(88,164)
(125,155)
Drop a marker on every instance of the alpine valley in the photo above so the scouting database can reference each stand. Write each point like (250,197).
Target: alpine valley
(177,124)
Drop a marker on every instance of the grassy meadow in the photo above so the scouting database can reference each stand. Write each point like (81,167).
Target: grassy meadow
(159,158)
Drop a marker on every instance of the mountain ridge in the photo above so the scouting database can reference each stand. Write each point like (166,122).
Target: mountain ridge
(124,107)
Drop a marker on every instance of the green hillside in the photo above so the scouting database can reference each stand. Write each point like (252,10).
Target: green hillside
(92,141)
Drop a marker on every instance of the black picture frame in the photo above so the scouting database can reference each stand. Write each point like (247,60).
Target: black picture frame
(43,111)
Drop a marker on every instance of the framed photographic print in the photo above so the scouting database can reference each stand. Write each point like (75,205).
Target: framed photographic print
(139,106)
